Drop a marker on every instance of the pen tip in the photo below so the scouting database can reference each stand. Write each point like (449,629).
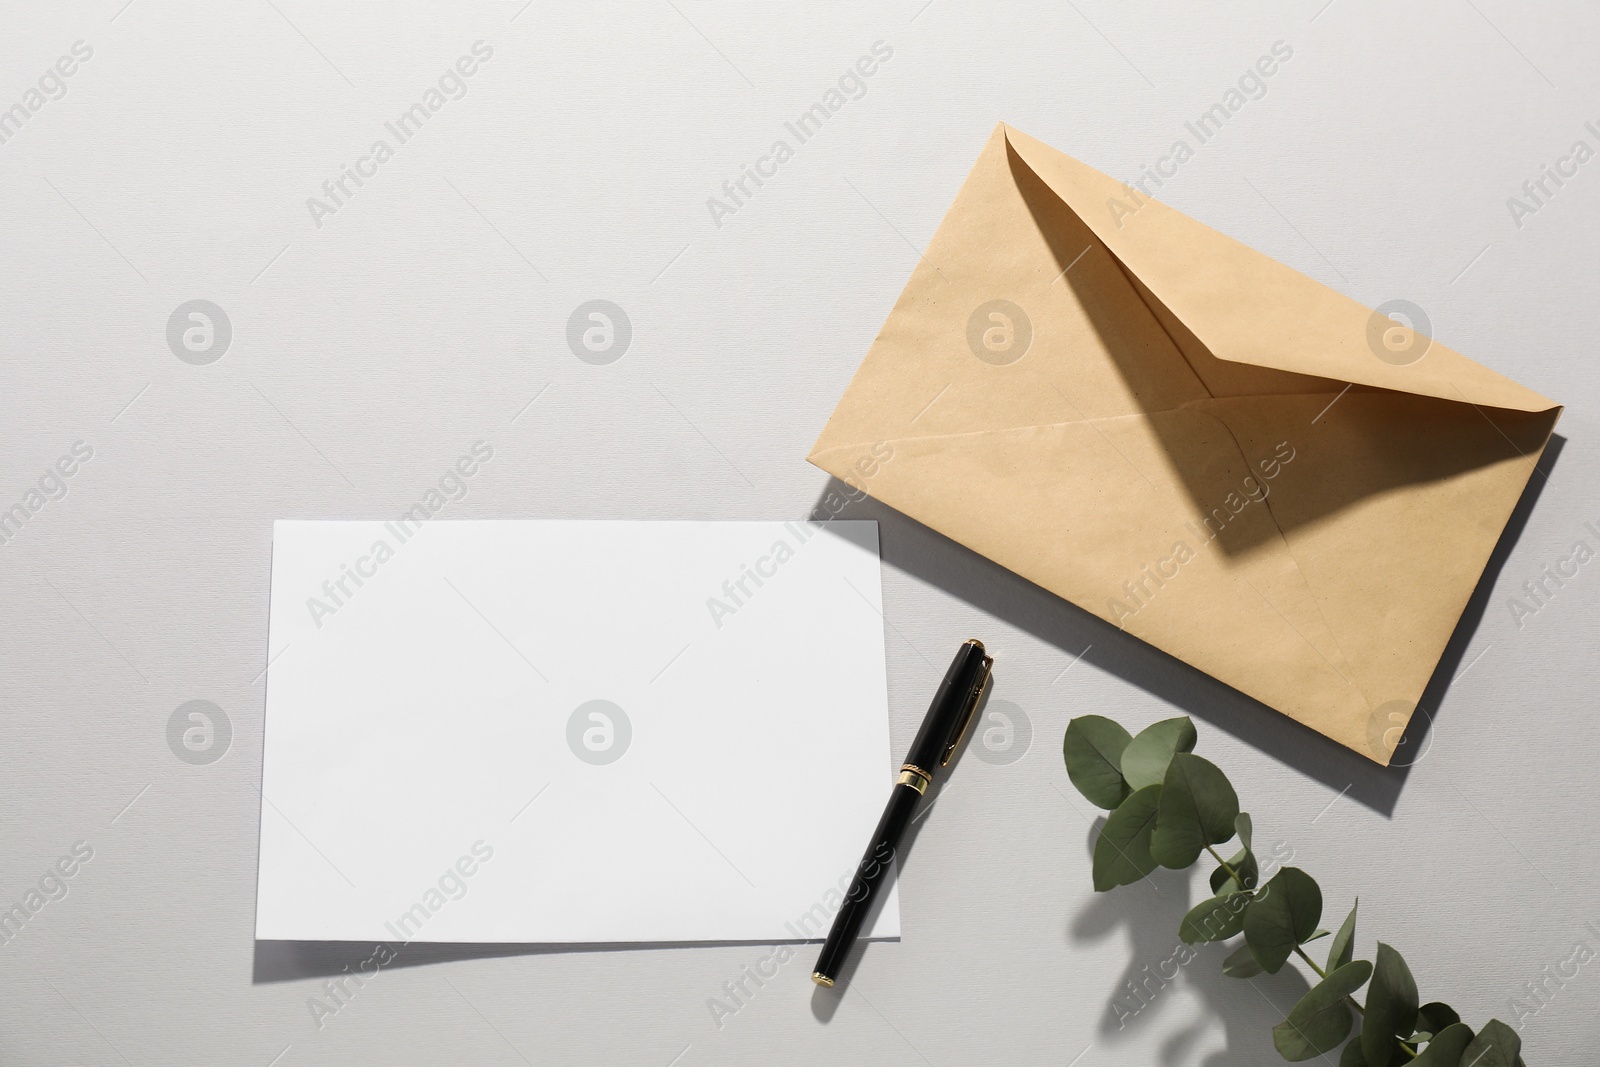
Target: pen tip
(822,980)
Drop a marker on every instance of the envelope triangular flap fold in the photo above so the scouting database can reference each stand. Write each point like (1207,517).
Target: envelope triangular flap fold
(1159,380)
(1247,307)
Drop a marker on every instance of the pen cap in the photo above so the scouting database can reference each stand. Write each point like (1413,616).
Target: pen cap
(952,708)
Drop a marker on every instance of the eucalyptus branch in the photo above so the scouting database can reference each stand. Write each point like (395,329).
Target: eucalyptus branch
(1168,805)
(1297,949)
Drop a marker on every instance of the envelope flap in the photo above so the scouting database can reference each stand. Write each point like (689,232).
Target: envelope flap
(1247,307)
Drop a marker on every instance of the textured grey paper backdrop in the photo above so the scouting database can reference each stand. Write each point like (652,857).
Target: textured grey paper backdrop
(373,341)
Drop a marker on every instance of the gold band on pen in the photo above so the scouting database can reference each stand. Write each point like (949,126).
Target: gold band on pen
(822,980)
(915,777)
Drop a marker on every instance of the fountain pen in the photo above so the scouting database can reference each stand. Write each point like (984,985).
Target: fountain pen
(948,717)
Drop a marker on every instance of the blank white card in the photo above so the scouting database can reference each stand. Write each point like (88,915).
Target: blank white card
(531,731)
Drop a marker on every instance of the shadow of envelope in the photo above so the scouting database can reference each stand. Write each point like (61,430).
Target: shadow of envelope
(1225,458)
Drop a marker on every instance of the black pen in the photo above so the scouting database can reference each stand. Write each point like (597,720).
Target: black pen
(952,709)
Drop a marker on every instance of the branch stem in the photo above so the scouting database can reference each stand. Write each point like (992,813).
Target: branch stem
(1298,951)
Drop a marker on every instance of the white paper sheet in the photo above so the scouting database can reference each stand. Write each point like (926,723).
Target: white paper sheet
(434,769)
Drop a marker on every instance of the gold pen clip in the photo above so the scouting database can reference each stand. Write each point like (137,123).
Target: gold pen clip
(972,707)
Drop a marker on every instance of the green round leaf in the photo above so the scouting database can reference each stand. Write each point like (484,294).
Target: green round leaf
(1436,1016)
(1146,758)
(1282,916)
(1093,750)
(1497,1045)
(1243,863)
(1391,1010)
(1352,1055)
(1322,1019)
(1214,919)
(1122,852)
(1446,1048)
(1343,945)
(1198,808)
(1241,963)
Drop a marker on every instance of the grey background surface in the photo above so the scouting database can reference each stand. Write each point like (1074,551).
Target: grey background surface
(429,311)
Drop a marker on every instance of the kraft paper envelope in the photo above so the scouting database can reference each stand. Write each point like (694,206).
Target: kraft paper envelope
(1188,439)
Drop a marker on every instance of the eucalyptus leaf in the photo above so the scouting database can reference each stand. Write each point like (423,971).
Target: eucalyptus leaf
(1244,864)
(1343,946)
(1352,1055)
(1497,1045)
(1282,916)
(1122,852)
(1093,749)
(1446,1048)
(1198,808)
(1436,1016)
(1241,963)
(1166,806)
(1214,919)
(1322,1018)
(1145,760)
(1391,1010)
